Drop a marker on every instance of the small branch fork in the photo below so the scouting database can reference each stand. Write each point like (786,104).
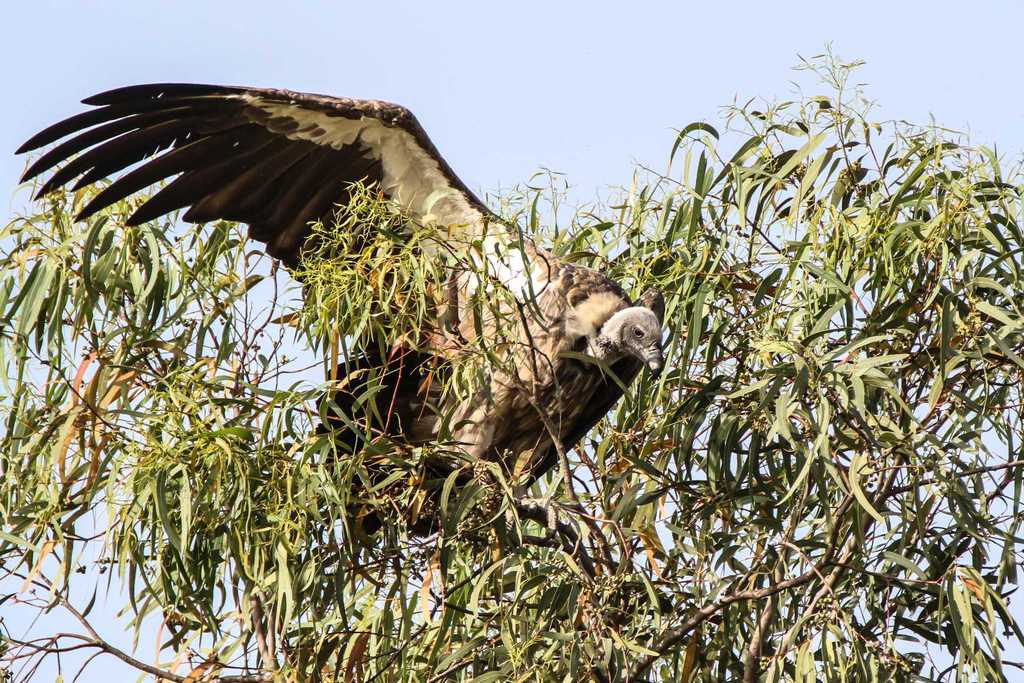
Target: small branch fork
(829,563)
(92,639)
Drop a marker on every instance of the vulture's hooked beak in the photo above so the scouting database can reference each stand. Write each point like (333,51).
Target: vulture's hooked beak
(654,359)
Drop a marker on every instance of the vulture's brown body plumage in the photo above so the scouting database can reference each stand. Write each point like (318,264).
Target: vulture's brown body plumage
(278,160)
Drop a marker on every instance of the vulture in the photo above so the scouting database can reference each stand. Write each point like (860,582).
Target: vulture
(279,161)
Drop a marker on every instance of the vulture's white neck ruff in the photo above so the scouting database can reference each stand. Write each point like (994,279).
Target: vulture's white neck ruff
(588,317)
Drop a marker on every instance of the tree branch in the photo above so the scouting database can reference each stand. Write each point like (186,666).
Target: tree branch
(569,538)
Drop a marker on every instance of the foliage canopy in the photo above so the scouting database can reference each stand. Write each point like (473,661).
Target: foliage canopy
(825,484)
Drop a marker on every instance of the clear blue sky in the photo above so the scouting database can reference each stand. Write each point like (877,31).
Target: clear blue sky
(505,88)
(584,88)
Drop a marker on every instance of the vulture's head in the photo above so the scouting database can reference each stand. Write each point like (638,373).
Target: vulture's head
(633,331)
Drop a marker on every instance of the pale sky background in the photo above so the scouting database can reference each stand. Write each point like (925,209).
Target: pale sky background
(506,88)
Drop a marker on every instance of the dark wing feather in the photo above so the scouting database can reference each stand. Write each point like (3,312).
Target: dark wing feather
(654,300)
(84,120)
(176,161)
(195,183)
(98,134)
(238,198)
(274,159)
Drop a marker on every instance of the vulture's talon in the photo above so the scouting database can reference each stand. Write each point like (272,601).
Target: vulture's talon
(563,533)
(546,509)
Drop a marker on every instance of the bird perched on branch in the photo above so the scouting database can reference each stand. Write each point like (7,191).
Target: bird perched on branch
(278,161)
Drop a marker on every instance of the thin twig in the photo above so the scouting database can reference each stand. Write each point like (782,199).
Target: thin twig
(259,630)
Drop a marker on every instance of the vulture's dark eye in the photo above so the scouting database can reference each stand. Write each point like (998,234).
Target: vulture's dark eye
(638,333)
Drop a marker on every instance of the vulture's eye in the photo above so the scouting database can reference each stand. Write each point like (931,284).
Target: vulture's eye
(638,333)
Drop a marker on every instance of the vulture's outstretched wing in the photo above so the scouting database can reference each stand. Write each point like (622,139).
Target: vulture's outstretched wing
(274,159)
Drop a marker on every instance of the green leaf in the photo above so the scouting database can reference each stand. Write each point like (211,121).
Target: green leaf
(856,465)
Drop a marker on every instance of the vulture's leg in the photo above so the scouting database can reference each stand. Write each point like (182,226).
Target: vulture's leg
(477,433)
(450,318)
(563,468)
(575,504)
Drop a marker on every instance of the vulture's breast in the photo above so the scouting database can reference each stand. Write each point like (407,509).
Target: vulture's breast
(522,438)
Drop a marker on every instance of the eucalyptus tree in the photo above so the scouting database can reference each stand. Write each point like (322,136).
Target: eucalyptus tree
(825,482)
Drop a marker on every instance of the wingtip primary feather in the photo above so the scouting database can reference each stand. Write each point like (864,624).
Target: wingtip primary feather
(128,92)
(36,141)
(150,91)
(48,187)
(42,164)
(29,173)
(72,124)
